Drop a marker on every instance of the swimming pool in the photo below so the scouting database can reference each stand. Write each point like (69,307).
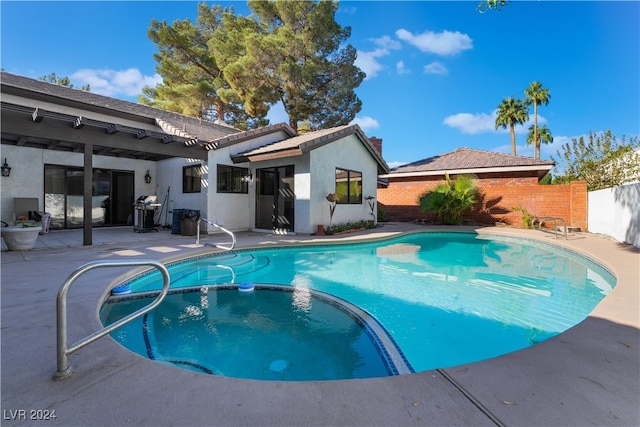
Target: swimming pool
(445,298)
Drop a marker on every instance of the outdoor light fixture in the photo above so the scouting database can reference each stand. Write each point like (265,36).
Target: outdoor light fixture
(247,177)
(147,178)
(6,170)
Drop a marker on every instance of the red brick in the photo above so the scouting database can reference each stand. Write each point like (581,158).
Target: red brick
(500,193)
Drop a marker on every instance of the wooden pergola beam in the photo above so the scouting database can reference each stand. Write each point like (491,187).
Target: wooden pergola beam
(15,123)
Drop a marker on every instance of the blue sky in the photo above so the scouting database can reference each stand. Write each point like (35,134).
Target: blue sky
(436,71)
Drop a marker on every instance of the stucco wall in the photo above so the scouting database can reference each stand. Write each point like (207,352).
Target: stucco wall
(302,185)
(167,184)
(27,173)
(616,212)
(348,153)
(232,211)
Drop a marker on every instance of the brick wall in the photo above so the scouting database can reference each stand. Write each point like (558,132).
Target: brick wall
(499,194)
(377,143)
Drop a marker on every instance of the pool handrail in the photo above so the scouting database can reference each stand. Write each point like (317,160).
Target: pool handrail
(555,223)
(226,248)
(64,370)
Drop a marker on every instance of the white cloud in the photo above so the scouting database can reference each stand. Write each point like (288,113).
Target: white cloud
(349,10)
(435,68)
(368,61)
(366,123)
(401,69)
(472,124)
(113,83)
(386,42)
(443,43)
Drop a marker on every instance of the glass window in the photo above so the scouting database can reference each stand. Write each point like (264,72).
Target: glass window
(55,195)
(192,179)
(232,179)
(348,186)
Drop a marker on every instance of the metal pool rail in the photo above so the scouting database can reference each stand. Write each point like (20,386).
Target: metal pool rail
(226,248)
(64,369)
(555,220)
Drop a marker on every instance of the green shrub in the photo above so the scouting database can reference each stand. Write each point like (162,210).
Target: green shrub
(450,200)
(383,214)
(337,228)
(527,218)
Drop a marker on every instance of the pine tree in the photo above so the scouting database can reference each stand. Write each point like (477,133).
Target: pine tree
(192,79)
(291,52)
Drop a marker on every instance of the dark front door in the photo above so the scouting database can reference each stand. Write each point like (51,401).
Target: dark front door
(122,198)
(275,199)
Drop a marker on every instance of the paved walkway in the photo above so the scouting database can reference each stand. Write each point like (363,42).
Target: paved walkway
(589,375)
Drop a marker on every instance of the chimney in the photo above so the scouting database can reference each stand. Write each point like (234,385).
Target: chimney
(377,142)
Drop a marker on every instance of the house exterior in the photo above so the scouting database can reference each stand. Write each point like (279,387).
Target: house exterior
(87,158)
(275,179)
(505,182)
(84,157)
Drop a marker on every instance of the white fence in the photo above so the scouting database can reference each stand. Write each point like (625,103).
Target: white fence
(616,212)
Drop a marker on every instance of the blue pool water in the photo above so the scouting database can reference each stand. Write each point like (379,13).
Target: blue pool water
(445,298)
(270,333)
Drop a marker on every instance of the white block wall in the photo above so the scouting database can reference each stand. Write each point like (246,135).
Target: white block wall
(616,212)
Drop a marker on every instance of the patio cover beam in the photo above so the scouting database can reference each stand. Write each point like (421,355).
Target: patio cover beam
(18,124)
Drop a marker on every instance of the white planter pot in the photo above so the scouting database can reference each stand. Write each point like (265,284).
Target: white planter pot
(20,238)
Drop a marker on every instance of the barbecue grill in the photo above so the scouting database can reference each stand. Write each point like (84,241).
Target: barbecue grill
(145,207)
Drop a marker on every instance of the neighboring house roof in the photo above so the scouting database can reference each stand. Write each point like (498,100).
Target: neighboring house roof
(294,144)
(165,126)
(467,160)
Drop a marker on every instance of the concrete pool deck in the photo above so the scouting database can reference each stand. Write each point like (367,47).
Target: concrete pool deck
(588,375)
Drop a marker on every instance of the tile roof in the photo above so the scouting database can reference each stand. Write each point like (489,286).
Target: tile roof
(467,158)
(305,140)
(235,138)
(203,130)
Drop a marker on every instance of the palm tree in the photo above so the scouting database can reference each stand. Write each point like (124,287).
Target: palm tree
(544,135)
(512,112)
(537,95)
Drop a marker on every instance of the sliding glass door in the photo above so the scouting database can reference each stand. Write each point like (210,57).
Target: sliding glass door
(111,202)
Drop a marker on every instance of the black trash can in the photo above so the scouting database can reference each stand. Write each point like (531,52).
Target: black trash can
(188,227)
(189,222)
